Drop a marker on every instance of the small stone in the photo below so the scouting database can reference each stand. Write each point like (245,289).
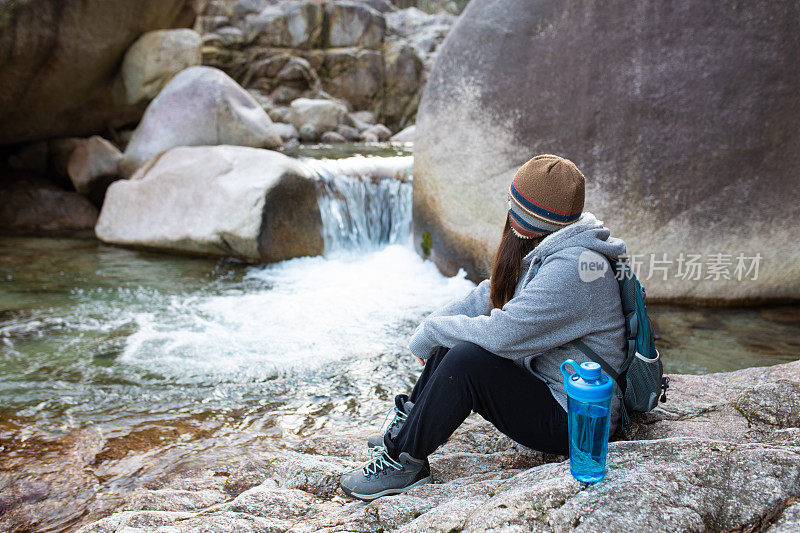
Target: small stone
(331,137)
(308,133)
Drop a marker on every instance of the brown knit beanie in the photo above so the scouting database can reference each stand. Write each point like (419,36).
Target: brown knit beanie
(545,195)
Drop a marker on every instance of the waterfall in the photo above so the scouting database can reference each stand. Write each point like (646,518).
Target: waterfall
(365,202)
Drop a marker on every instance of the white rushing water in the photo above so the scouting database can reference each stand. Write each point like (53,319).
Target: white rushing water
(354,300)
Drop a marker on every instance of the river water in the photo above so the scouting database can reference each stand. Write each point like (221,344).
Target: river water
(163,363)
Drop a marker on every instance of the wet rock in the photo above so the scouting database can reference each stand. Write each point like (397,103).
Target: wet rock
(354,24)
(286,131)
(406,135)
(199,106)
(92,167)
(331,137)
(32,205)
(322,115)
(232,201)
(154,59)
(698,182)
(61,61)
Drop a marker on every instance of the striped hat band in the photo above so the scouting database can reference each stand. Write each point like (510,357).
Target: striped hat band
(530,219)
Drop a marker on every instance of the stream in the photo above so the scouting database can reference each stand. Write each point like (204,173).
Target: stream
(157,364)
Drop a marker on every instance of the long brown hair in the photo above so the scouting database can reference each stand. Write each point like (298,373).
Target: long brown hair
(506,265)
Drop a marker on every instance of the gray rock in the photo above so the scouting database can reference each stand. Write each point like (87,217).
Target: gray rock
(154,59)
(348,132)
(173,500)
(32,205)
(308,133)
(199,106)
(61,59)
(354,24)
(354,75)
(286,131)
(699,462)
(423,31)
(671,136)
(406,135)
(232,201)
(323,115)
(331,137)
(378,132)
(280,114)
(789,521)
(403,73)
(92,167)
(364,116)
(286,25)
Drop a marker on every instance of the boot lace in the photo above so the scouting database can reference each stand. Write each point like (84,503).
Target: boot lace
(379,460)
(399,418)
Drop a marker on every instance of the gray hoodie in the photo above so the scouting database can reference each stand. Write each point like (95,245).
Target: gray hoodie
(554,303)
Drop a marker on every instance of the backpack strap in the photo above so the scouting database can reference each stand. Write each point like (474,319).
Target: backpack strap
(591,354)
(594,356)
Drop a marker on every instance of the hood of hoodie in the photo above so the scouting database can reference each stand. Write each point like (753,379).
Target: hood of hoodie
(586,232)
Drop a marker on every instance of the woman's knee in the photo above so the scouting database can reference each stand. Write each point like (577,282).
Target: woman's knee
(467,357)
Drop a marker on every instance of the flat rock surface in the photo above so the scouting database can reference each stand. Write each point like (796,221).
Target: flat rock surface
(724,451)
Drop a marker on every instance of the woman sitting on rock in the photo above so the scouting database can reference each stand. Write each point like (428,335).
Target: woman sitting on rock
(498,351)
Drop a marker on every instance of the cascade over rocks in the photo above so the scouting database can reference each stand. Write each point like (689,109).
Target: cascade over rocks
(682,151)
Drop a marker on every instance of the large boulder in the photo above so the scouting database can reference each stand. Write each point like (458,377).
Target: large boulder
(60,62)
(683,119)
(32,205)
(154,59)
(233,201)
(199,106)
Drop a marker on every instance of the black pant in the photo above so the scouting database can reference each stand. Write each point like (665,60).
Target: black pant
(467,378)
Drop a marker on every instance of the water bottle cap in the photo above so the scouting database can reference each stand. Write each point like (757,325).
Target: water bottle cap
(588,384)
(589,371)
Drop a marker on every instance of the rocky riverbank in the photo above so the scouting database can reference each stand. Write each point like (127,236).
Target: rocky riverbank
(724,452)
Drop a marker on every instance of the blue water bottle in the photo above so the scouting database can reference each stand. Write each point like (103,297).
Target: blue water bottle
(589,394)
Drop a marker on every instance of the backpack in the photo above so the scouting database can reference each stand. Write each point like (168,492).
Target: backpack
(641,378)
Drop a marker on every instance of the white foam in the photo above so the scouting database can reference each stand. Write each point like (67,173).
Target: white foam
(311,310)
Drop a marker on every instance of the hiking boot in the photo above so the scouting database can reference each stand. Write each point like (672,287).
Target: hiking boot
(401,409)
(384,475)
